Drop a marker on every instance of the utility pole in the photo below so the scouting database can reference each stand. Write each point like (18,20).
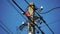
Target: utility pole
(31,28)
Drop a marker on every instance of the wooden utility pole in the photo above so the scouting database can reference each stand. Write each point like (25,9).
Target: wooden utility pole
(31,28)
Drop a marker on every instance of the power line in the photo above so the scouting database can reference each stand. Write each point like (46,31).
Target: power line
(37,13)
(16,9)
(50,10)
(8,30)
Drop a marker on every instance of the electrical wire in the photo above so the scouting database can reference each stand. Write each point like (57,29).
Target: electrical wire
(50,10)
(4,29)
(16,9)
(45,23)
(52,23)
(8,30)
(41,13)
(17,5)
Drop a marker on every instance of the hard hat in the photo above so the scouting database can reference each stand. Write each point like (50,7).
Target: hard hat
(31,3)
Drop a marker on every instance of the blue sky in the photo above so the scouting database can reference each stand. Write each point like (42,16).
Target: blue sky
(12,19)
